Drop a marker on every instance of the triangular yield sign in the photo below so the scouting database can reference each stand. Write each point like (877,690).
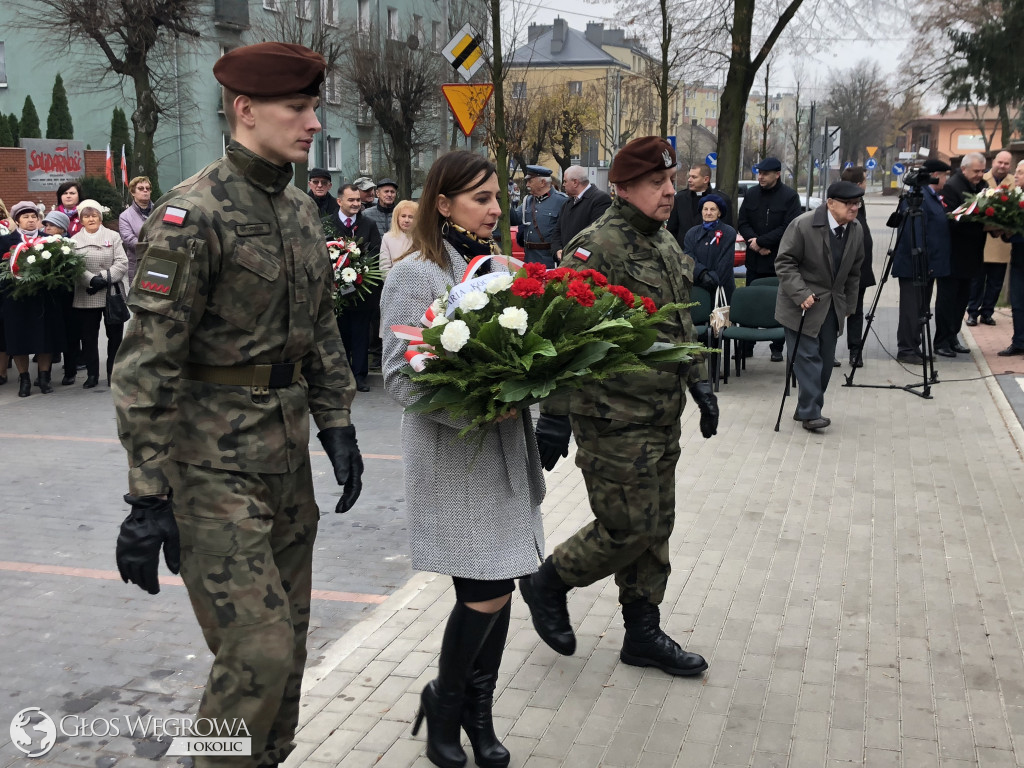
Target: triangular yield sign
(467,102)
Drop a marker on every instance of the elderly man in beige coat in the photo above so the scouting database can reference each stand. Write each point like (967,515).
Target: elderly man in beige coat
(818,266)
(986,287)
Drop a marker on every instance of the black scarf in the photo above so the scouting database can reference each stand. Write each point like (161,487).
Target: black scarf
(467,244)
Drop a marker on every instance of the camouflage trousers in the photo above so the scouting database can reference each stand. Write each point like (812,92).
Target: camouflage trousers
(629,470)
(246,559)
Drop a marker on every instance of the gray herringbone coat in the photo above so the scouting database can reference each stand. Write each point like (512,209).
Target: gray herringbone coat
(473,511)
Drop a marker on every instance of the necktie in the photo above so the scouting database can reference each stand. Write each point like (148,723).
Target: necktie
(837,248)
(348,223)
(839,232)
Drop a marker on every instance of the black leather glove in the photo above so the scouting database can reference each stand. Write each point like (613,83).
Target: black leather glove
(553,433)
(704,396)
(343,451)
(149,526)
(706,281)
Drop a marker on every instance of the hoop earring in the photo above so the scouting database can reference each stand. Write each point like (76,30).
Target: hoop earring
(445,227)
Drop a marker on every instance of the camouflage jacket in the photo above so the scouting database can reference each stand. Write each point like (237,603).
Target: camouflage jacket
(639,253)
(233,271)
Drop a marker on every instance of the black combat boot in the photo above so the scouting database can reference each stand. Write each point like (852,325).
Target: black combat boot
(545,593)
(646,645)
(44,382)
(477,720)
(442,699)
(24,385)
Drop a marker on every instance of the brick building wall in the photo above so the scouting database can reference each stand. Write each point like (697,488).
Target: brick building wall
(14,176)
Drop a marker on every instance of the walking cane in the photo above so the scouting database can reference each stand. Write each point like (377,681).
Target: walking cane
(792,362)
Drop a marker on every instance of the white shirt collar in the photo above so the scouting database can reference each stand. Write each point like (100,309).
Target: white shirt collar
(832,223)
(583,191)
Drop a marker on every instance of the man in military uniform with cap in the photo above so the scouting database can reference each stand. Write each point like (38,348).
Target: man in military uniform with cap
(232,345)
(819,263)
(627,428)
(538,232)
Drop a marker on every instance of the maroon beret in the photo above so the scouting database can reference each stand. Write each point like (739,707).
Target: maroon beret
(640,156)
(271,69)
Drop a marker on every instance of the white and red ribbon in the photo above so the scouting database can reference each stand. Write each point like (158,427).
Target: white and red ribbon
(718,236)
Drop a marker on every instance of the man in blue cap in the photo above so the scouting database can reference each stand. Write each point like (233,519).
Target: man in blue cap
(767,210)
(538,218)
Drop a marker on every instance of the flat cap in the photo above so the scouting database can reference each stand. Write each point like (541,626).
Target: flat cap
(936,166)
(387,183)
(320,173)
(271,70)
(769,164)
(537,170)
(364,184)
(640,156)
(844,190)
(25,206)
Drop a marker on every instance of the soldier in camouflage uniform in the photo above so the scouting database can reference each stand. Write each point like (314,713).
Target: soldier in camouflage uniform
(627,427)
(232,344)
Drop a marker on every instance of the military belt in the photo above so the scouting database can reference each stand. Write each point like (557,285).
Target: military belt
(270,376)
(538,246)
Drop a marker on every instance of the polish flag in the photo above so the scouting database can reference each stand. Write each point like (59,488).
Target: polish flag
(108,167)
(124,168)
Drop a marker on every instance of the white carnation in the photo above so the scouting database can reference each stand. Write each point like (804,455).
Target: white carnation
(46,256)
(499,283)
(65,250)
(514,318)
(439,320)
(455,336)
(31,259)
(473,301)
(37,247)
(355,251)
(348,275)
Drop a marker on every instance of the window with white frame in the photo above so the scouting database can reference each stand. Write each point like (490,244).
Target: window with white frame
(364,15)
(271,5)
(332,89)
(519,90)
(304,9)
(435,34)
(393,28)
(330,11)
(366,157)
(576,87)
(333,153)
(3,66)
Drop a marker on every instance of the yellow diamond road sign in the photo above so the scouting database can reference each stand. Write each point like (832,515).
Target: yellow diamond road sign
(871,151)
(463,52)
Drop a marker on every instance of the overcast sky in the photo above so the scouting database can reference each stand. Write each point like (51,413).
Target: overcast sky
(884,44)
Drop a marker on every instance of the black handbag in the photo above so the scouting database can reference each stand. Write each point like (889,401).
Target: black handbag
(116,310)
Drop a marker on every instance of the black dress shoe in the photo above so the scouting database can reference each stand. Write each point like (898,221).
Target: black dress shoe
(971,321)
(90,382)
(776,357)
(988,321)
(819,423)
(910,358)
(362,386)
(69,378)
(856,361)
(545,594)
(1010,351)
(945,352)
(956,346)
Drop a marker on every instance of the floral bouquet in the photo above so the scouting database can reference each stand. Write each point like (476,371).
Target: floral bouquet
(505,341)
(42,264)
(998,208)
(356,273)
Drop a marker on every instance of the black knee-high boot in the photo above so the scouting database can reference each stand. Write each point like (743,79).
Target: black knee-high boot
(476,709)
(441,700)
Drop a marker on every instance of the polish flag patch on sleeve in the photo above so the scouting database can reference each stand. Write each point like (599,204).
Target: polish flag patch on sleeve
(582,254)
(175,216)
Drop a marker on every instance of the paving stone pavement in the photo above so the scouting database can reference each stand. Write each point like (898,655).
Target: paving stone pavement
(858,594)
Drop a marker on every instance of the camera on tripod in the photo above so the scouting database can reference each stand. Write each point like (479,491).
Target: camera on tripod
(919,177)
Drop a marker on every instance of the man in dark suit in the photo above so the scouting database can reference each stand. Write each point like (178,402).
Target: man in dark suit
(767,210)
(819,267)
(356,321)
(586,204)
(686,212)
(967,249)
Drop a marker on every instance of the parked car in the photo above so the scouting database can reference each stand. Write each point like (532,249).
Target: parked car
(746,184)
(517,249)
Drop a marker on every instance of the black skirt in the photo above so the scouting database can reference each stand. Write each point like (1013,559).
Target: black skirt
(35,324)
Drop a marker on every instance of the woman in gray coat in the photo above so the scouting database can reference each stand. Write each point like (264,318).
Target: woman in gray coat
(473,504)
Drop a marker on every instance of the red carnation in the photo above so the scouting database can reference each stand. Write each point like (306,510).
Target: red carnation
(1020,204)
(1004,198)
(536,270)
(623,293)
(359,279)
(562,273)
(990,211)
(527,286)
(580,291)
(595,276)
(649,305)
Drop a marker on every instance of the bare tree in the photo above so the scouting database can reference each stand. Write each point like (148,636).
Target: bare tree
(766,120)
(398,81)
(798,133)
(135,41)
(858,103)
(637,109)
(571,116)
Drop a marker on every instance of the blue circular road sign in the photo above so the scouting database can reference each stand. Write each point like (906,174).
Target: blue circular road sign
(848,164)
(899,169)
(712,159)
(871,164)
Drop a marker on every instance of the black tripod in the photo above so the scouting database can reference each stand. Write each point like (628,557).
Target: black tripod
(911,222)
